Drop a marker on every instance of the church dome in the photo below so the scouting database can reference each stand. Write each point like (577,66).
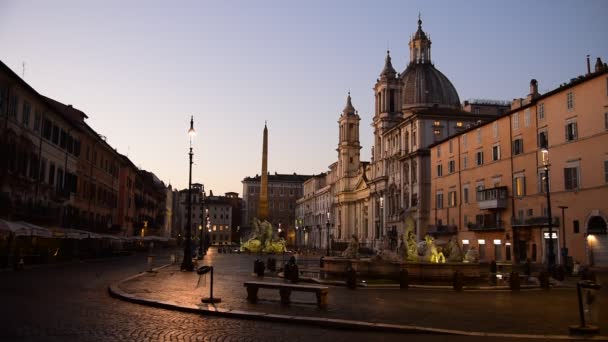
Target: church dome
(424,86)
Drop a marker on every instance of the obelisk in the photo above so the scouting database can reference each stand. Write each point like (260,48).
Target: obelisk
(263,206)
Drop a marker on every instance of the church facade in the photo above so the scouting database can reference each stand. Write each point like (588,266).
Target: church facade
(375,200)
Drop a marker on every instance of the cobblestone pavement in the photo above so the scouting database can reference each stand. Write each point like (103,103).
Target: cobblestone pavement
(70,302)
(527,312)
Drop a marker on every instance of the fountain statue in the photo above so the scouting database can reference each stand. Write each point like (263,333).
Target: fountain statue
(263,239)
(432,253)
(412,246)
(453,250)
(352,251)
(471,256)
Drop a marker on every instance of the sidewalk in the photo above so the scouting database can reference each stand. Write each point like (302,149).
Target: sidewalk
(541,313)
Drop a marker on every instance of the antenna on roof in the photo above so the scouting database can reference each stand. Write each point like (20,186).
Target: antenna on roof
(23,70)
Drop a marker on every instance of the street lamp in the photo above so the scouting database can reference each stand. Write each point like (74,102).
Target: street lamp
(564,249)
(328,245)
(381,217)
(187,264)
(297,233)
(201,248)
(551,254)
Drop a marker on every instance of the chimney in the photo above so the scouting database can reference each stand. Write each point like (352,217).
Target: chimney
(533,90)
(588,66)
(598,65)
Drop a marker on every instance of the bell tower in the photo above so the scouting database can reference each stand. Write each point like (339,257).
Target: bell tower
(348,145)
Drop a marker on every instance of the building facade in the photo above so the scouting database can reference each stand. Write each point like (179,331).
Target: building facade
(283,191)
(57,171)
(215,217)
(489,182)
(375,201)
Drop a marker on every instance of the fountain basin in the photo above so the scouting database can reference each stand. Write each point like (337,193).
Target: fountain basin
(418,271)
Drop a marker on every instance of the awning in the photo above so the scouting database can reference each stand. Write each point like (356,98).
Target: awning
(21,228)
(67,233)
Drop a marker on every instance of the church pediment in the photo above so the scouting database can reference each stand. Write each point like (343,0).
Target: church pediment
(361,184)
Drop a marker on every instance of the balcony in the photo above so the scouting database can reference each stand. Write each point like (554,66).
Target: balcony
(486,226)
(534,221)
(494,198)
(440,229)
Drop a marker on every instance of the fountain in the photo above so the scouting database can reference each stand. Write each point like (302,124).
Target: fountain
(263,239)
(427,260)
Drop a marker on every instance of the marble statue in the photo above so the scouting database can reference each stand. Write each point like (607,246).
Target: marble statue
(352,251)
(432,253)
(453,250)
(472,255)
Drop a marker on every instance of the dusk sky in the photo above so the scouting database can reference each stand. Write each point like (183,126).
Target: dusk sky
(139,70)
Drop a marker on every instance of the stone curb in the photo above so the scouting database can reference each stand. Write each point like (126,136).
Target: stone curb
(115,291)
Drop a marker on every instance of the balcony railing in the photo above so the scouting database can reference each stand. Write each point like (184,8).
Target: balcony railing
(482,226)
(494,198)
(443,229)
(534,221)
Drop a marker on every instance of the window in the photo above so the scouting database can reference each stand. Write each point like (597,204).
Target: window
(452,199)
(495,129)
(571,178)
(437,131)
(495,152)
(497,250)
(459,124)
(452,166)
(464,140)
(479,135)
(465,161)
(515,119)
(519,185)
(436,123)
(55,137)
(541,111)
(413,138)
(482,249)
(575,226)
(450,147)
(37,118)
(12,106)
(479,158)
(476,110)
(51,174)
(570,101)
(571,131)
(518,146)
(42,171)
(439,170)
(439,200)
(414,172)
(465,195)
(439,151)
(543,139)
(25,116)
(47,129)
(527,117)
(606,120)
(606,171)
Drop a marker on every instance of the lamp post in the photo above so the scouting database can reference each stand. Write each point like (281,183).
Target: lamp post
(201,247)
(564,249)
(207,235)
(551,252)
(328,246)
(187,262)
(297,233)
(381,217)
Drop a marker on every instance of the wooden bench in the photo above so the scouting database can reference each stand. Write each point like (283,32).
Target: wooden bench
(285,291)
